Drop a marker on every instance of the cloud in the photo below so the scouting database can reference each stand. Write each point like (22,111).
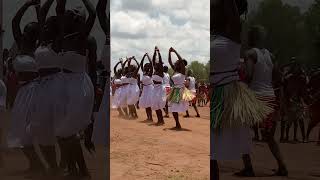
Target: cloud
(137,26)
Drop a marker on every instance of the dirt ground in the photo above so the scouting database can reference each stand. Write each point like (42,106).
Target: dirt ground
(14,162)
(142,151)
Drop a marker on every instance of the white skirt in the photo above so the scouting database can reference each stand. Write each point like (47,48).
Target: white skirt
(116,98)
(101,125)
(159,97)
(48,108)
(230,143)
(133,93)
(79,103)
(182,106)
(19,125)
(123,96)
(146,97)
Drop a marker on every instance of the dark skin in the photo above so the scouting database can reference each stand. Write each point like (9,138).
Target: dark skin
(179,67)
(268,134)
(132,72)
(26,42)
(225,21)
(104,19)
(74,36)
(158,67)
(147,70)
(78,39)
(118,76)
(194,105)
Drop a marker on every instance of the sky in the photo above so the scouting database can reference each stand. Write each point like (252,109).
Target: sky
(137,26)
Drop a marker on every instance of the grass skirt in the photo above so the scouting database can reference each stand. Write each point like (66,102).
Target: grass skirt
(234,105)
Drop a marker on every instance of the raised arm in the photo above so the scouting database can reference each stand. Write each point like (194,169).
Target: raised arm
(159,54)
(138,65)
(44,11)
(151,69)
(103,16)
(60,9)
(91,19)
(169,58)
(16,30)
(142,61)
(115,67)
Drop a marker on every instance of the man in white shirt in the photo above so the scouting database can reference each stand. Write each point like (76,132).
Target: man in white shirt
(191,85)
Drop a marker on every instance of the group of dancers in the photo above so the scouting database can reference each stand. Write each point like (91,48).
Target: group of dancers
(56,73)
(156,91)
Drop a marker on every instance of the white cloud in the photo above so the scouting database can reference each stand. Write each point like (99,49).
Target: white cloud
(137,26)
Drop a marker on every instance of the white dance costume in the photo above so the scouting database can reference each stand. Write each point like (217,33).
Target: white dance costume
(182,104)
(79,99)
(19,128)
(133,92)
(48,106)
(159,94)
(124,92)
(117,94)
(146,98)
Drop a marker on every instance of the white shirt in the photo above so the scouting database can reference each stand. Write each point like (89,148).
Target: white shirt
(192,83)
(261,82)
(166,79)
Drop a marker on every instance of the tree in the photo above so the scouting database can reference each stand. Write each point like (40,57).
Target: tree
(284,26)
(200,70)
(312,23)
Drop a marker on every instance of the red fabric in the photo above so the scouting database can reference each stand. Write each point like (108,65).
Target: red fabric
(271,102)
(168,89)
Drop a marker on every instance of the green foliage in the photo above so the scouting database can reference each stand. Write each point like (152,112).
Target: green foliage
(200,71)
(289,32)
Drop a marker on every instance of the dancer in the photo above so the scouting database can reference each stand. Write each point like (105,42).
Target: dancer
(146,97)
(46,113)
(118,89)
(191,85)
(159,91)
(133,90)
(124,91)
(74,32)
(179,97)
(234,108)
(26,70)
(166,82)
(259,68)
(295,85)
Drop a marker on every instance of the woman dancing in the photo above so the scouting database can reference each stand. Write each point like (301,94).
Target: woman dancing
(146,97)
(118,90)
(179,97)
(45,113)
(133,90)
(73,34)
(25,67)
(234,108)
(159,91)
